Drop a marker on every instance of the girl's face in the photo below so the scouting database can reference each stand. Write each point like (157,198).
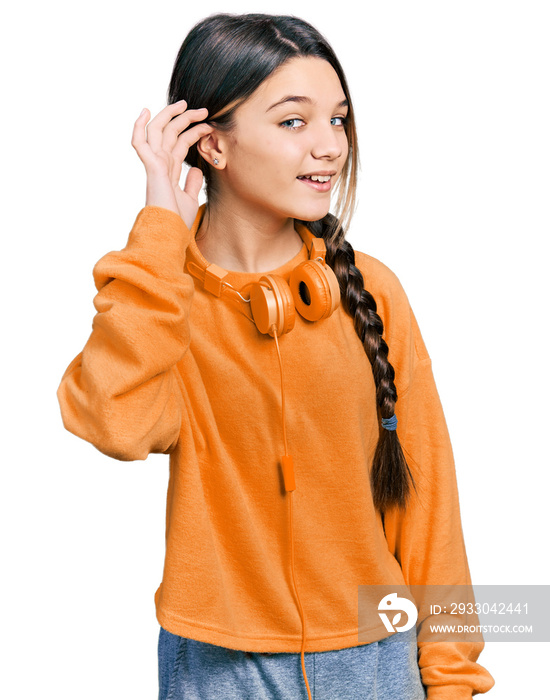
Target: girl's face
(289,144)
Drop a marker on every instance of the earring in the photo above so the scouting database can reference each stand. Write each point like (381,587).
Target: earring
(216,161)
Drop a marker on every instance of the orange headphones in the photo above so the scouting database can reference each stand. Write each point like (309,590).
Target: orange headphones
(313,290)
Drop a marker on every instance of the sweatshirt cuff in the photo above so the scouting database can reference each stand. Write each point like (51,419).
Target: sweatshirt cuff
(161,231)
(449,692)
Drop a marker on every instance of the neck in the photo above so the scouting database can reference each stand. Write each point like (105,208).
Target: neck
(243,239)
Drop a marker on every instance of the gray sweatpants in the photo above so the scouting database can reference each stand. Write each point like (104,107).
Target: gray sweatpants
(384,670)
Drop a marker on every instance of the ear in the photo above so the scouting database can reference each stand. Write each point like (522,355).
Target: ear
(212,147)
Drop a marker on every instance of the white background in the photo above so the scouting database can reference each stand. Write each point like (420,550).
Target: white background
(453,110)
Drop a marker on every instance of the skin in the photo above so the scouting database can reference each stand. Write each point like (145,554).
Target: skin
(250,223)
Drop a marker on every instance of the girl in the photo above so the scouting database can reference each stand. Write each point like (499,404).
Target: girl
(239,338)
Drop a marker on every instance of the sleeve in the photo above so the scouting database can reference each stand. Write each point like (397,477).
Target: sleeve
(122,392)
(427,538)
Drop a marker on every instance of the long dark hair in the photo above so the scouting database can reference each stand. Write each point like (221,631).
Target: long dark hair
(221,62)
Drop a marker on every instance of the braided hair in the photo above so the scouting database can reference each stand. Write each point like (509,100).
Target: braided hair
(390,472)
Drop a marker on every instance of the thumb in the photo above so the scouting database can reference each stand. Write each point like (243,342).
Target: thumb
(193,182)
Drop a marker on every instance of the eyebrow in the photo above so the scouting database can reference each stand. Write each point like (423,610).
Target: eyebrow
(301,99)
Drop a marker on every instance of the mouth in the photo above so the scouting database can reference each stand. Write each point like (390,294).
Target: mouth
(321,182)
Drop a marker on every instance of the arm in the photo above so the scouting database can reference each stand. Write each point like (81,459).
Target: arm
(123,393)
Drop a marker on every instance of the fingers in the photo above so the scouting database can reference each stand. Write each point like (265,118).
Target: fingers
(171,121)
(157,124)
(139,139)
(179,124)
(193,183)
(169,133)
(188,138)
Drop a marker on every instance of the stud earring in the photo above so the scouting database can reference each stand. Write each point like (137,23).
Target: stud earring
(216,161)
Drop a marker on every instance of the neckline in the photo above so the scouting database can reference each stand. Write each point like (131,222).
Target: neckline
(236,277)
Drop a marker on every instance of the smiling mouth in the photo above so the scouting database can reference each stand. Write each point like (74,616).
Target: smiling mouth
(315,178)
(318,183)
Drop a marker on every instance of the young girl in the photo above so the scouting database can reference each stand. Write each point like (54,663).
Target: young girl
(240,339)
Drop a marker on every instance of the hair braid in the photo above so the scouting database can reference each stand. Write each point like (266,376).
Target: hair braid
(390,471)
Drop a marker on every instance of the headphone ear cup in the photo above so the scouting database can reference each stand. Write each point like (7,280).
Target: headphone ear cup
(315,290)
(273,306)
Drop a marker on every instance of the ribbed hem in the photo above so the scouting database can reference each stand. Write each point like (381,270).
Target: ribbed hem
(275,644)
(449,692)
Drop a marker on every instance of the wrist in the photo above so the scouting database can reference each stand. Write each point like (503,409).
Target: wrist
(160,193)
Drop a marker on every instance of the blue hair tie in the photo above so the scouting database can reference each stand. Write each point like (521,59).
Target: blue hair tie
(390,423)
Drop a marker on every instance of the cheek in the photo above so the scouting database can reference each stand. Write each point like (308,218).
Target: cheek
(287,155)
(276,147)
(267,159)
(245,162)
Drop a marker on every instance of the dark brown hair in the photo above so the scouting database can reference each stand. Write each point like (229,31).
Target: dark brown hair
(221,62)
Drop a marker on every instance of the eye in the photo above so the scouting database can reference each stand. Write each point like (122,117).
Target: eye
(292,123)
(339,121)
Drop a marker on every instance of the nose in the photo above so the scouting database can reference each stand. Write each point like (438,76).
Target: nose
(328,142)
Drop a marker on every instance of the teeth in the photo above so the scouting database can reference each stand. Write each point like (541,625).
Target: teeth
(317,178)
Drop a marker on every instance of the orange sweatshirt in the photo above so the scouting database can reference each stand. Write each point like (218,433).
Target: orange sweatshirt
(170,368)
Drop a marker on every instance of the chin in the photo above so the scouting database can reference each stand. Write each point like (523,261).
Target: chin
(312,213)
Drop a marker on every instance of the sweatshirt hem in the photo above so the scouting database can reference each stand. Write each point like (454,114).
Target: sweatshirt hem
(209,635)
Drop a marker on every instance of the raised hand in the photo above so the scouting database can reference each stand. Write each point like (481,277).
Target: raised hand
(162,145)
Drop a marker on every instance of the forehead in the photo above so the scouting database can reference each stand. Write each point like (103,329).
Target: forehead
(310,77)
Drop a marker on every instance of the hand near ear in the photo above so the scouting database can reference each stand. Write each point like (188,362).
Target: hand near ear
(162,148)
